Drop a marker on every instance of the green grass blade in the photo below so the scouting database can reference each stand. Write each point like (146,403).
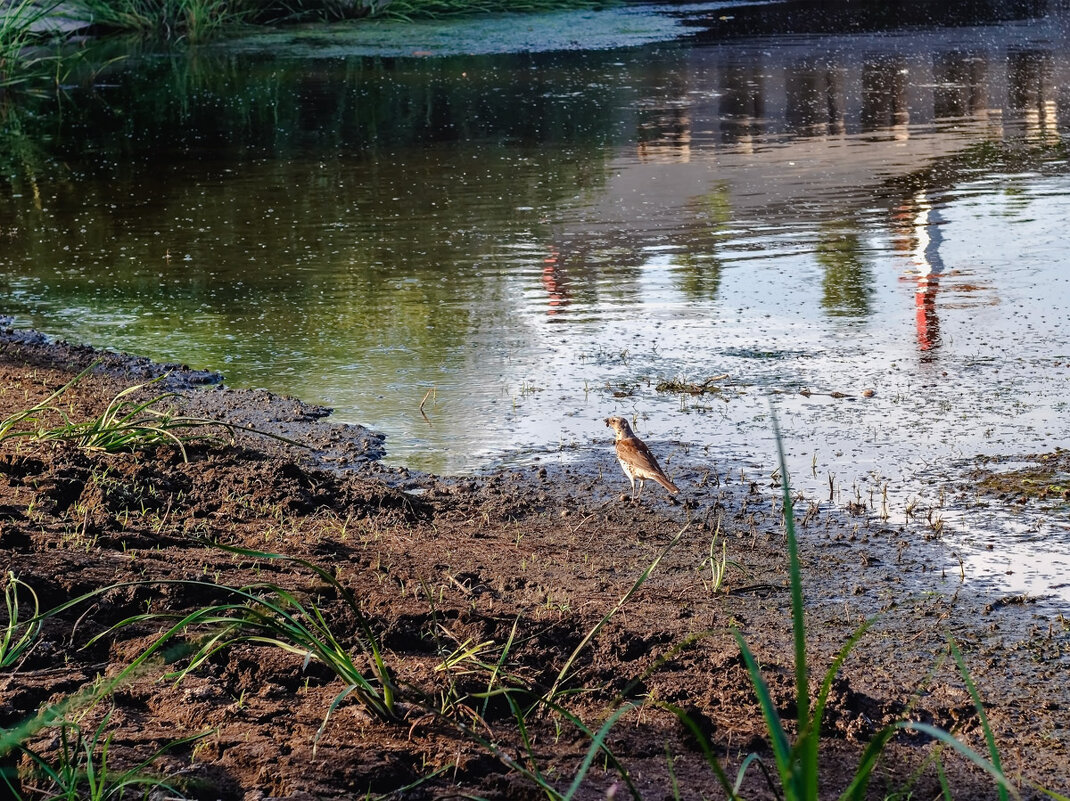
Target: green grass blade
(1049,793)
(563,673)
(814,724)
(755,759)
(856,790)
(806,746)
(782,752)
(947,738)
(596,745)
(617,765)
(707,752)
(990,739)
(16,639)
(533,772)
(30,414)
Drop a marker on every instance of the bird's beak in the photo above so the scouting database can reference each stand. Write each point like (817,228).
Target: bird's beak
(607,422)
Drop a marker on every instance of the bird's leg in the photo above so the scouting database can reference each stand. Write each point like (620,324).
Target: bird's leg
(640,495)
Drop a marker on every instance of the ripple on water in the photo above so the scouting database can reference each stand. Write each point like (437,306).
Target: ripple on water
(544,239)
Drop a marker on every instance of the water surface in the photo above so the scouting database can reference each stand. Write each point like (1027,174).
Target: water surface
(868,228)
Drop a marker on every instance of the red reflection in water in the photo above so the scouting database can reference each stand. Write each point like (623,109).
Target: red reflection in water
(553,283)
(917,222)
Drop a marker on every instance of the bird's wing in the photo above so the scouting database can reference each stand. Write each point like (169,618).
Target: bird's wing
(636,453)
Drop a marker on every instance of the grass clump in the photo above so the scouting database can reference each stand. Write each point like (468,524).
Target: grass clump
(82,768)
(193,20)
(267,614)
(18,22)
(199,20)
(413,9)
(78,763)
(126,424)
(16,639)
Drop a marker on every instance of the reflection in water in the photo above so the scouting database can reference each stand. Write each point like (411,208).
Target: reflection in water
(554,283)
(921,220)
(928,222)
(815,99)
(295,221)
(742,102)
(960,88)
(847,284)
(541,237)
(663,120)
(884,94)
(1032,92)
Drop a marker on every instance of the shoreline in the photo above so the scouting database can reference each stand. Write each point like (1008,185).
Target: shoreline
(548,547)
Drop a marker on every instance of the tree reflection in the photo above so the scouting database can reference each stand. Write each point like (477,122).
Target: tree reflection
(847,282)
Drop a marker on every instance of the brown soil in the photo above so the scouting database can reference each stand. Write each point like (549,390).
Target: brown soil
(530,558)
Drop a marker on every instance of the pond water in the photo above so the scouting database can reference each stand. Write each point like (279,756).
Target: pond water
(485,255)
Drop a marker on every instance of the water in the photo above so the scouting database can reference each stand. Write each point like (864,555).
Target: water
(526,243)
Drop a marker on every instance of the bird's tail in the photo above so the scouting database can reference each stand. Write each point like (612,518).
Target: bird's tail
(667,484)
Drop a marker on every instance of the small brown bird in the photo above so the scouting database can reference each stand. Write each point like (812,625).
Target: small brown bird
(636,459)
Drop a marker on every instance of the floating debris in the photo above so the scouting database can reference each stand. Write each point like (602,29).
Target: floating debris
(685,387)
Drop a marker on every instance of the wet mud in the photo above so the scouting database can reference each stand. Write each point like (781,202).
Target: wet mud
(470,584)
(1037,477)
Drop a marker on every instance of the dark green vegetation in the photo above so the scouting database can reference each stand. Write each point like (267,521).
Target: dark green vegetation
(201,19)
(33,32)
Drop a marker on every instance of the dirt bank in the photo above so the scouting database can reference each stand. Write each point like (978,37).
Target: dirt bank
(469,584)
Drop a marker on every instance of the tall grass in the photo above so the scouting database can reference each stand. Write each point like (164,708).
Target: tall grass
(193,20)
(17,21)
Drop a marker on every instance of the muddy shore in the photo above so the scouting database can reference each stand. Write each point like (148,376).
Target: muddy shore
(473,583)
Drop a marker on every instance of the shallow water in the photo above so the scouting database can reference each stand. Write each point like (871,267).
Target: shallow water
(527,243)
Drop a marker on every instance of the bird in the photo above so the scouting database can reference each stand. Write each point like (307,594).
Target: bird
(636,459)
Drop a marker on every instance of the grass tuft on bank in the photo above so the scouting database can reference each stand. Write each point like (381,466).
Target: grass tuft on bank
(26,24)
(34,33)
